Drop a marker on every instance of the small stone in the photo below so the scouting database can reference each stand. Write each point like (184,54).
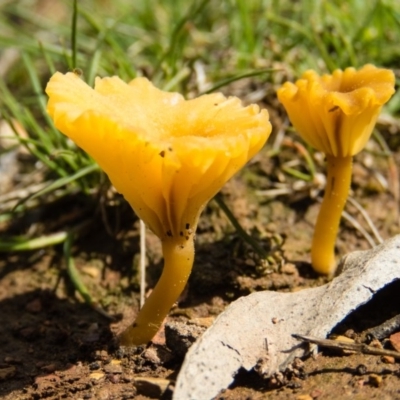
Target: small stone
(361,369)
(152,387)
(345,339)
(113,369)
(304,397)
(289,269)
(96,375)
(395,340)
(7,373)
(94,365)
(91,271)
(151,355)
(114,378)
(388,359)
(375,380)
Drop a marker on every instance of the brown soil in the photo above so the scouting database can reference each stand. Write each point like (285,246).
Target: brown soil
(54,346)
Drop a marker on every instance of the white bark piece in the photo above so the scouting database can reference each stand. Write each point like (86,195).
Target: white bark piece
(261,325)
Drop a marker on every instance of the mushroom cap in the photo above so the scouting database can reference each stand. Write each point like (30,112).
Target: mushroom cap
(168,156)
(337,113)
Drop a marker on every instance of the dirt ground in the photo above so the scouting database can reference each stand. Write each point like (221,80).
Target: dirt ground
(54,346)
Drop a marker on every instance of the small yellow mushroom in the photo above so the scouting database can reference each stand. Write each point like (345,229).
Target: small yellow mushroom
(168,156)
(336,115)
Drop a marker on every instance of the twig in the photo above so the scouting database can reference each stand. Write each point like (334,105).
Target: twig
(383,330)
(356,347)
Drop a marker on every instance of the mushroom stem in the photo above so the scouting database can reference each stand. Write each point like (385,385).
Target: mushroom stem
(178,262)
(336,193)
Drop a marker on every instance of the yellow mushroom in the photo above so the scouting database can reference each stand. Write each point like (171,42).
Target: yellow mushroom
(336,114)
(168,156)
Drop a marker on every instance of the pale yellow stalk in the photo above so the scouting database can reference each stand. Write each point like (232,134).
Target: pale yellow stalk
(327,226)
(178,261)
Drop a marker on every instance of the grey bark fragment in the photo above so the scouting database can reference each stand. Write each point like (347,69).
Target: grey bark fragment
(261,325)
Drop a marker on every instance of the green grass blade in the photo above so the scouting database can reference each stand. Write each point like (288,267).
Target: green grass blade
(74,50)
(60,183)
(24,244)
(235,78)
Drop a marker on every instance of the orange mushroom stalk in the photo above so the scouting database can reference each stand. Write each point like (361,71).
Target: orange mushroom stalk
(336,115)
(168,156)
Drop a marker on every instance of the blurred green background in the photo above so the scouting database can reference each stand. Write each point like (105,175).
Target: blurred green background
(186,46)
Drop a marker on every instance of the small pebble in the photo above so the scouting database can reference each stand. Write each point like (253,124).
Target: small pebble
(345,339)
(151,355)
(91,271)
(96,375)
(304,397)
(113,378)
(152,387)
(289,269)
(94,365)
(113,369)
(388,359)
(375,380)
(395,341)
(361,369)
